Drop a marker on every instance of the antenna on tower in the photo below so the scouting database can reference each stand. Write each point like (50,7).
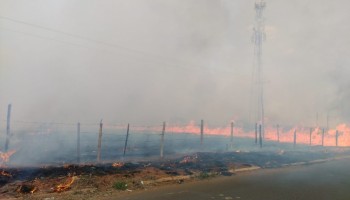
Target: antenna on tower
(258,38)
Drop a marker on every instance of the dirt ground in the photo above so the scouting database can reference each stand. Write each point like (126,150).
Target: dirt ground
(104,180)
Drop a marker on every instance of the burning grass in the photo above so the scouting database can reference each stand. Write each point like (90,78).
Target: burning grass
(5,157)
(65,186)
(118,164)
(4,173)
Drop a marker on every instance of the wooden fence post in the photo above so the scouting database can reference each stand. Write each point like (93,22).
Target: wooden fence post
(78,142)
(202,131)
(162,141)
(323,137)
(256,133)
(231,139)
(278,133)
(8,131)
(295,138)
(336,138)
(260,136)
(310,136)
(99,143)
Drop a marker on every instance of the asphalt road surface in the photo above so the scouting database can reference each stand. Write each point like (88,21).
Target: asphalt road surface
(330,180)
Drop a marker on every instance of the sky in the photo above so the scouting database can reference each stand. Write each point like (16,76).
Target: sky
(148,61)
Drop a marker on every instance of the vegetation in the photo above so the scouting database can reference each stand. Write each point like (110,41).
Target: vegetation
(204,175)
(120,185)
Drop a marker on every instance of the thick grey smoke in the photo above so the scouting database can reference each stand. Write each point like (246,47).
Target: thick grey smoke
(146,61)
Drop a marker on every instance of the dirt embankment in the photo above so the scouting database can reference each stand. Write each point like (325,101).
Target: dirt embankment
(103,180)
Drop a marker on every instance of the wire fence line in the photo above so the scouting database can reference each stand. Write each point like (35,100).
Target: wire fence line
(38,142)
(56,142)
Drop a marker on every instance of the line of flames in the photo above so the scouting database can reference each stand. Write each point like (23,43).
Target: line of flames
(285,136)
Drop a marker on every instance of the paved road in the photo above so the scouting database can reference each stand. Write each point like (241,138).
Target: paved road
(330,181)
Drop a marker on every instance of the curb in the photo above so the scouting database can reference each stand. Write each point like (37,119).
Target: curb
(245,169)
(315,161)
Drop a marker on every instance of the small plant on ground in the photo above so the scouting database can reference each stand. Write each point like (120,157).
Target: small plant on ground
(203,175)
(120,185)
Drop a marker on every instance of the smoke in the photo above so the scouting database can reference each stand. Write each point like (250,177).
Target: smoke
(340,105)
(150,61)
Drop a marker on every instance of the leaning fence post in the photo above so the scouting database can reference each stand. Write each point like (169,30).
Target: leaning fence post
(99,142)
(126,140)
(8,131)
(162,141)
(78,142)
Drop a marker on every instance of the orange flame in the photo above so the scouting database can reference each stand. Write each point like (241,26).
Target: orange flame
(118,164)
(189,159)
(303,135)
(3,173)
(33,190)
(66,186)
(285,136)
(5,157)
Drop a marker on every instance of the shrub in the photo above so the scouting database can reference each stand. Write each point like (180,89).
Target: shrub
(120,185)
(203,175)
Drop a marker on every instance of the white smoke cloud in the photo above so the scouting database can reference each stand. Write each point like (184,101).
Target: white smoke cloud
(171,60)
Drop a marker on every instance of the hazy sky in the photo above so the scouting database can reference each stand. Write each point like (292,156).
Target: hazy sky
(146,61)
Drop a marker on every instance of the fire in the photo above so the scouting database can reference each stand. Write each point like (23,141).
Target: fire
(66,186)
(33,190)
(189,159)
(285,135)
(66,166)
(5,157)
(118,164)
(195,129)
(3,173)
(303,135)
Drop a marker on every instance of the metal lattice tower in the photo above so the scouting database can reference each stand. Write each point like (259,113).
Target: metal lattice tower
(258,39)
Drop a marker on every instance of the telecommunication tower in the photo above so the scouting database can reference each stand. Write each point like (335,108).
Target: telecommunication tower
(258,38)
